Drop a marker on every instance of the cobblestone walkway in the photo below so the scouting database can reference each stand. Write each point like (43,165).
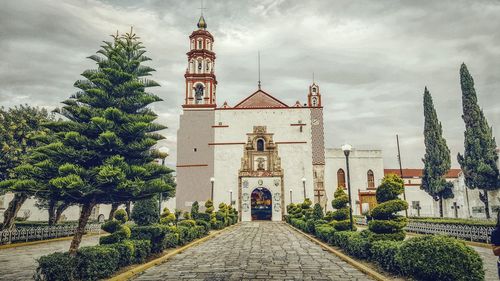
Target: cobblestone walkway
(20,263)
(489,261)
(257,250)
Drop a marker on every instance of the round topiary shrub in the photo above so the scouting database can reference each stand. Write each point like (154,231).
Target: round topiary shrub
(145,212)
(121,215)
(340,216)
(441,258)
(317,212)
(386,223)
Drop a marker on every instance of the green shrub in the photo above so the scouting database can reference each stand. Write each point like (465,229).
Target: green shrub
(205,224)
(204,217)
(116,237)
(184,235)
(168,219)
(390,188)
(343,225)
(384,253)
(126,251)
(55,267)
(386,210)
(388,226)
(340,238)
(171,240)
(187,223)
(111,226)
(358,246)
(209,207)
(195,210)
(439,258)
(142,249)
(121,215)
(317,212)
(325,232)
(310,226)
(396,236)
(145,212)
(154,233)
(96,262)
(340,214)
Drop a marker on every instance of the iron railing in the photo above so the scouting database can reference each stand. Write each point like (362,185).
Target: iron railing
(25,234)
(476,233)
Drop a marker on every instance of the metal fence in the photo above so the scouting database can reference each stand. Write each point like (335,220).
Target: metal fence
(25,234)
(475,233)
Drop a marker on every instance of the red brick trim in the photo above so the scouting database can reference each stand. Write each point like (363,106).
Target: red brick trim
(298,124)
(192,165)
(199,106)
(226,143)
(290,142)
(271,107)
(220,126)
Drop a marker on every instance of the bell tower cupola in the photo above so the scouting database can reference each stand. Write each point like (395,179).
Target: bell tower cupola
(200,76)
(314,97)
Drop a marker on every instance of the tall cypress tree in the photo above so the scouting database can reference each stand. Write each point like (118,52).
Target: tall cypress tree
(479,159)
(437,160)
(103,152)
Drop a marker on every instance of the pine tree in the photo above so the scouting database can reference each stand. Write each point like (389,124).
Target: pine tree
(437,160)
(478,162)
(103,149)
(19,128)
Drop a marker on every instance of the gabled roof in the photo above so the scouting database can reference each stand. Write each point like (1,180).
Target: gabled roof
(417,173)
(260,99)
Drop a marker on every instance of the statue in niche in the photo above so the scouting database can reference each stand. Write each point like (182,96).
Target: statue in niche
(198,93)
(260,164)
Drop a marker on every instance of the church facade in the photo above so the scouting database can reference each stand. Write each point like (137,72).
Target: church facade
(257,155)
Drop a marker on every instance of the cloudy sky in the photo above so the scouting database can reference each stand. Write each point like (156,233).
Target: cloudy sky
(371,59)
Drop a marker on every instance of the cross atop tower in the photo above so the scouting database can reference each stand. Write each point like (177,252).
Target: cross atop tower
(201,8)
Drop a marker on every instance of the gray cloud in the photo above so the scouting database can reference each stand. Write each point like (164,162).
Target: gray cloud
(372,59)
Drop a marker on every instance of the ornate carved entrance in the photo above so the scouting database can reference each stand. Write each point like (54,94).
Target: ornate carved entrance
(260,164)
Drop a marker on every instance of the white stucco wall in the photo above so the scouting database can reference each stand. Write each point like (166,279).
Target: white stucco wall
(360,161)
(296,158)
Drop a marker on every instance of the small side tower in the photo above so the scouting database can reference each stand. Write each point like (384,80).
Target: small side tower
(314,97)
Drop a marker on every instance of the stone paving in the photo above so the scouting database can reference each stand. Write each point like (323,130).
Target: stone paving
(255,251)
(20,263)
(489,262)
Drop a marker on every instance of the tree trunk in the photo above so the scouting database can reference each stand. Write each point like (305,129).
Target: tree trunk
(52,212)
(486,204)
(60,210)
(114,207)
(440,206)
(127,208)
(82,222)
(11,212)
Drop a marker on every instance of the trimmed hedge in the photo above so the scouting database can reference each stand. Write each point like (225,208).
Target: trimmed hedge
(384,253)
(57,266)
(486,223)
(96,262)
(451,259)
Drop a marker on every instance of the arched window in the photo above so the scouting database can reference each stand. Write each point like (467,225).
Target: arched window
(198,93)
(371,179)
(341,178)
(200,65)
(260,145)
(199,44)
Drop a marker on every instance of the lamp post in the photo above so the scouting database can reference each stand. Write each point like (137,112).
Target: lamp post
(212,180)
(163,153)
(347,149)
(291,198)
(304,187)
(230,198)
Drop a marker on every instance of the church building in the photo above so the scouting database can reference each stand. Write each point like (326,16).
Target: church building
(258,154)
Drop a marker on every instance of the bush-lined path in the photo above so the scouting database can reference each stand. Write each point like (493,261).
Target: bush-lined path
(257,250)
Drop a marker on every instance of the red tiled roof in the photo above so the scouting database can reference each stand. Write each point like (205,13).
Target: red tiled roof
(260,99)
(417,173)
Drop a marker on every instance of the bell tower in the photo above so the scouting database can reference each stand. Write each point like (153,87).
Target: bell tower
(200,76)
(314,97)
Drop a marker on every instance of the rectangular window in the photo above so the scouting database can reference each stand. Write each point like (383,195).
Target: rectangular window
(477,210)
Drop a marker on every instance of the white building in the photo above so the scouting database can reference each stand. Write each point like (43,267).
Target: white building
(257,155)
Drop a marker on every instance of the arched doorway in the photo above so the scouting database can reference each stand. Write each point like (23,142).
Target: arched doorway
(261,204)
